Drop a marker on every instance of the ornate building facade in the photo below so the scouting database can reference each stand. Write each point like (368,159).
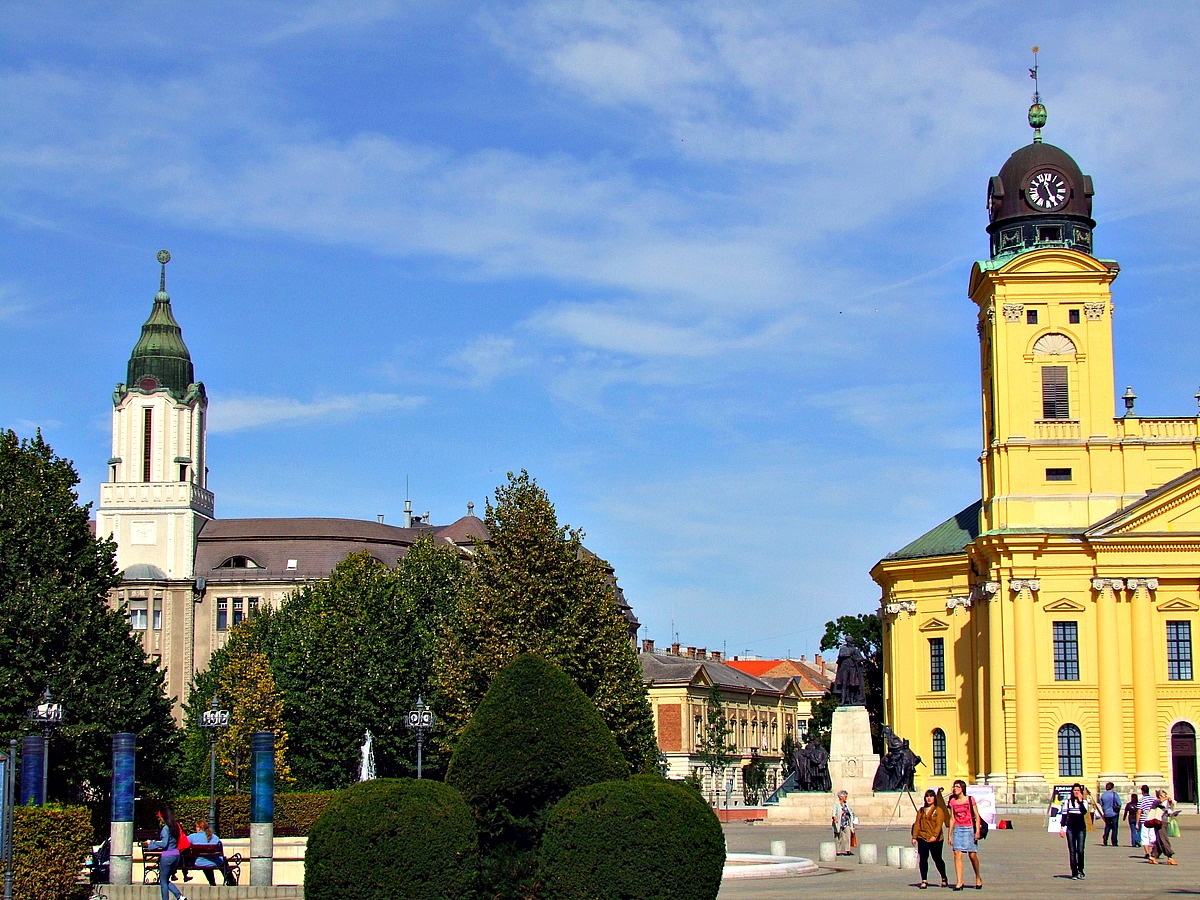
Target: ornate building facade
(1045,632)
(188,577)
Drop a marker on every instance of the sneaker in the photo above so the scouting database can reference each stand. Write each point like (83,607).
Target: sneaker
(1082,876)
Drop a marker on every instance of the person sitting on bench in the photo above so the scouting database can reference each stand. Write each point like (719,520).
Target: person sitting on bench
(196,858)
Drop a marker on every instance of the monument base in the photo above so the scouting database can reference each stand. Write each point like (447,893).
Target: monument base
(852,760)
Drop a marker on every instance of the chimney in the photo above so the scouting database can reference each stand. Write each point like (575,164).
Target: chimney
(675,648)
(690,653)
(647,645)
(820,662)
(408,516)
(701,653)
(716,655)
(380,518)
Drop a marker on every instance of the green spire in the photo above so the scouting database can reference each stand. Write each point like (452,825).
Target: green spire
(160,359)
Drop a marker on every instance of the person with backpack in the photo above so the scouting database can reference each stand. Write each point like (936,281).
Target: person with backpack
(170,842)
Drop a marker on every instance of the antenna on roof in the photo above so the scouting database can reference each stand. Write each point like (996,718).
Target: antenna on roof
(1037,112)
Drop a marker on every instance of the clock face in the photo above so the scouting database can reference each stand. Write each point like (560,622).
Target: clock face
(1047,190)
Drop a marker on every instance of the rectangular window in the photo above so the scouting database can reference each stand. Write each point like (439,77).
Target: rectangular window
(251,607)
(1058,474)
(137,613)
(1073,316)
(1179,651)
(1066,651)
(1054,393)
(237,610)
(222,614)
(939,752)
(156,616)
(937,664)
(182,472)
(1049,233)
(1031,316)
(147,430)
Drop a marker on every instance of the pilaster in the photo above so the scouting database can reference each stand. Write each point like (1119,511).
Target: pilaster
(1108,675)
(1145,701)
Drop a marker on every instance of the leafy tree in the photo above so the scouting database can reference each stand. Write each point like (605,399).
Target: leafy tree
(57,629)
(787,750)
(864,631)
(535,589)
(247,686)
(367,637)
(754,779)
(716,749)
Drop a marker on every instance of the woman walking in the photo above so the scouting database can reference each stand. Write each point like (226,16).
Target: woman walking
(843,824)
(927,837)
(1131,816)
(168,843)
(1162,841)
(1073,821)
(964,817)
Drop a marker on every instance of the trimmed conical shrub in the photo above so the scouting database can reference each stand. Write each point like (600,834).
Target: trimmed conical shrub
(534,738)
(644,837)
(393,837)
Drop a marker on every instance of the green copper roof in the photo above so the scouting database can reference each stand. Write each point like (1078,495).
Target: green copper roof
(947,539)
(160,353)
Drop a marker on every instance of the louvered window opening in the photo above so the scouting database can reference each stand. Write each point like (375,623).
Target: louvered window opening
(1054,393)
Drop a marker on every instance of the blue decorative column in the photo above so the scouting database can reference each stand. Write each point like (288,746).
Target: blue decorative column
(33,752)
(262,809)
(121,832)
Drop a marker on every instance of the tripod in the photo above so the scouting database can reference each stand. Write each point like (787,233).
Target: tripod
(896,811)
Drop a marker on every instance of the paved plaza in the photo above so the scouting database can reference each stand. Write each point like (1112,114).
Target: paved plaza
(1025,862)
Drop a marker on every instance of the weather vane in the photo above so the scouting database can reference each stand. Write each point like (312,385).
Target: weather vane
(164,257)
(1037,112)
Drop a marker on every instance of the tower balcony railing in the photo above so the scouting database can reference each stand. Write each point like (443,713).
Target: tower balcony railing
(1056,429)
(156,493)
(1167,428)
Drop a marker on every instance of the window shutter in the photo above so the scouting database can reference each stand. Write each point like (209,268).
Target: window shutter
(1054,393)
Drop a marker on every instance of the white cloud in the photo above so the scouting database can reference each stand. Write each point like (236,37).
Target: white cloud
(251,412)
(488,358)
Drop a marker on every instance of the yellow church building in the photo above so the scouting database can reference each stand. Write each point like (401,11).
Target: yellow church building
(1044,634)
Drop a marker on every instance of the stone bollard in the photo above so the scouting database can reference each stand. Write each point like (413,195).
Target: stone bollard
(908,857)
(778,848)
(868,854)
(827,851)
(893,857)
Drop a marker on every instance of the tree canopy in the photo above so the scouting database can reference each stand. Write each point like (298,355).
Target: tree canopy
(535,589)
(57,630)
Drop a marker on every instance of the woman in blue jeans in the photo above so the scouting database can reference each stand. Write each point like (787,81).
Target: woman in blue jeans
(168,843)
(1073,826)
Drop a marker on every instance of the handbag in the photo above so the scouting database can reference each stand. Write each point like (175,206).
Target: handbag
(1153,819)
(183,843)
(1172,827)
(983,825)
(853,838)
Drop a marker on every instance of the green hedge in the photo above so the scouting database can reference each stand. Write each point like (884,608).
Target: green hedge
(638,838)
(50,844)
(534,738)
(295,814)
(392,837)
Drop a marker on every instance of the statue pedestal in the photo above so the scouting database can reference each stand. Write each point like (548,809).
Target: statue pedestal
(852,762)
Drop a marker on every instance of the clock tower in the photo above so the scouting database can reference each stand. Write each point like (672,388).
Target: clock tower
(1045,329)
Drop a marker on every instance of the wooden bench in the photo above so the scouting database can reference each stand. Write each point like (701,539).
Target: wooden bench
(187,858)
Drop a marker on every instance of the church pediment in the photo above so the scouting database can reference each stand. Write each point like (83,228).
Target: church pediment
(1173,508)
(934,624)
(1178,605)
(1061,606)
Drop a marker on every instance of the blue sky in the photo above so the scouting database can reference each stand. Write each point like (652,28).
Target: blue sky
(700,268)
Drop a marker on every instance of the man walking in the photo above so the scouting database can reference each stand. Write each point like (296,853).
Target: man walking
(1110,809)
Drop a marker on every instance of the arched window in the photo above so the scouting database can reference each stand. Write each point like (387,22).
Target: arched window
(939,752)
(238,562)
(1070,751)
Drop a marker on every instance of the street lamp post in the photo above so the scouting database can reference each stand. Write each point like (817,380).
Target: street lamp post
(212,719)
(48,713)
(421,719)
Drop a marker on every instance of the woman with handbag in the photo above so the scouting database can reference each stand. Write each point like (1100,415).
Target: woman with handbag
(170,842)
(1162,843)
(964,817)
(843,824)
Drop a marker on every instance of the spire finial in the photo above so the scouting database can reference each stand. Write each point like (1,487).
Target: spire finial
(164,257)
(1037,112)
